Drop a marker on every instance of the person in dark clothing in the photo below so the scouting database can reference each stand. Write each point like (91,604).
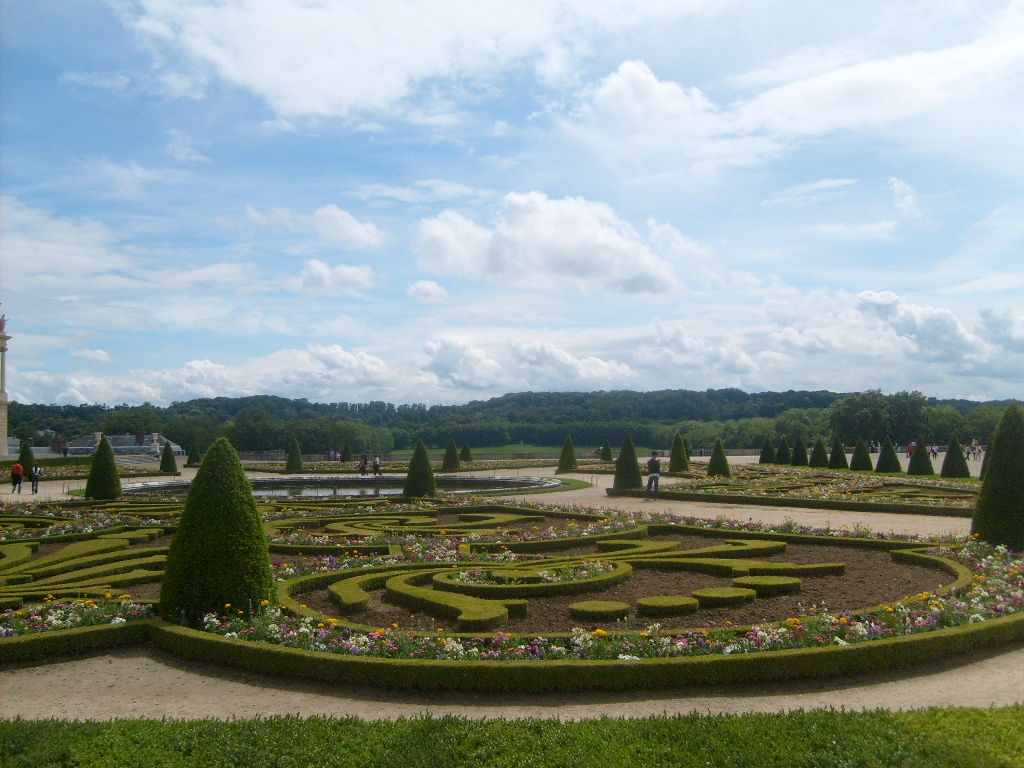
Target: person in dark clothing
(653,475)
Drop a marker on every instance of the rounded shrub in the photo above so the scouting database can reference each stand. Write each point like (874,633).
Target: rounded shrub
(766,586)
(837,459)
(218,560)
(767,452)
(606,451)
(104,482)
(999,512)
(678,460)
(782,454)
(888,461)
(627,470)
(666,605)
(954,465)
(465,454)
(599,610)
(718,464)
(420,480)
(567,460)
(715,597)
(861,461)
(294,461)
(451,461)
(920,461)
(799,457)
(819,455)
(168,461)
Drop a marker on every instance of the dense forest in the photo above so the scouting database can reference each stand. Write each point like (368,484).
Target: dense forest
(741,419)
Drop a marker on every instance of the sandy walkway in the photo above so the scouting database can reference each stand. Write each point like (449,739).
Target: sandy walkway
(140,682)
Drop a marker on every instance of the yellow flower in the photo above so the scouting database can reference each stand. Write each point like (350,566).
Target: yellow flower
(599,633)
(227,605)
(264,603)
(394,625)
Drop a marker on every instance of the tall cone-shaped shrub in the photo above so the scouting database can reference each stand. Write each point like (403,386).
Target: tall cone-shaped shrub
(799,457)
(420,480)
(606,451)
(954,465)
(104,483)
(465,454)
(218,560)
(627,470)
(861,461)
(819,455)
(679,459)
(920,461)
(168,462)
(767,452)
(782,454)
(451,462)
(837,459)
(718,464)
(346,452)
(26,456)
(888,461)
(999,512)
(567,461)
(294,461)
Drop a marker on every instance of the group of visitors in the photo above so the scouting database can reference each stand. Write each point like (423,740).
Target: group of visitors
(364,464)
(18,476)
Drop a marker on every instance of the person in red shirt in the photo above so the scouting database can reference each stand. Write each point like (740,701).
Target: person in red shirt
(17,475)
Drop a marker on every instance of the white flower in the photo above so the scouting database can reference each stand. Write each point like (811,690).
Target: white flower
(118,620)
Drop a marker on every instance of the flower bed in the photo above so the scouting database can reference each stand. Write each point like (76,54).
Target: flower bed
(53,615)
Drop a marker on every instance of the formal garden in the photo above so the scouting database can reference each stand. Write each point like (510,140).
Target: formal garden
(430,591)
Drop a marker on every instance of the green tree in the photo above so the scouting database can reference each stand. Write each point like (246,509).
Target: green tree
(567,460)
(837,459)
(907,418)
(999,512)
(718,464)
(767,452)
(26,456)
(168,462)
(218,561)
(294,461)
(920,461)
(104,482)
(678,460)
(420,480)
(627,470)
(888,460)
(451,462)
(465,454)
(819,455)
(861,461)
(799,458)
(606,451)
(863,414)
(954,464)
(783,457)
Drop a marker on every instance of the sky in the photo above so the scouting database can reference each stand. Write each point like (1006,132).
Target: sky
(439,202)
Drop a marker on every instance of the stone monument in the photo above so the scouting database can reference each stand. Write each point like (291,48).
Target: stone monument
(3,386)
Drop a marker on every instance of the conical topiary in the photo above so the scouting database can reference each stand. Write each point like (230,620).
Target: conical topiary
(767,452)
(678,460)
(294,461)
(819,455)
(451,462)
(218,561)
(104,483)
(837,459)
(420,480)
(686,449)
(999,512)
(567,461)
(465,454)
(346,452)
(861,461)
(168,462)
(627,470)
(718,464)
(954,465)
(799,457)
(26,456)
(920,461)
(984,463)
(888,461)
(783,455)
(606,451)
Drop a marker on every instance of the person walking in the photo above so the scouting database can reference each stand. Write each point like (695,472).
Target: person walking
(362,465)
(653,475)
(34,475)
(17,475)
(376,466)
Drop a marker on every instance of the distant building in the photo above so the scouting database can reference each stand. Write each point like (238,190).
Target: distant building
(152,443)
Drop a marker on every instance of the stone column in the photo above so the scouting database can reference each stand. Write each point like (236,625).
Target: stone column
(3,387)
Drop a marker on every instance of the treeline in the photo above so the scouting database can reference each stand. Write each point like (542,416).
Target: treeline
(741,419)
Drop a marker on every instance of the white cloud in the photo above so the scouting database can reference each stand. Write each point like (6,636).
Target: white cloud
(318,277)
(570,244)
(330,223)
(130,180)
(181,146)
(877,230)
(933,333)
(806,194)
(422,191)
(1004,328)
(91,355)
(545,364)
(113,82)
(428,292)
(460,363)
(905,200)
